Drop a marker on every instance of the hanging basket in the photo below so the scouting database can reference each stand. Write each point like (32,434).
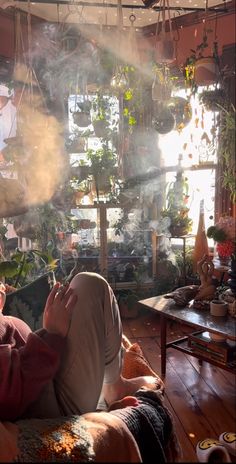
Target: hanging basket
(100,127)
(206,71)
(81,118)
(13,198)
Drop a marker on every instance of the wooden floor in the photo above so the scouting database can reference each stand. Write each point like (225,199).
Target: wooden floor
(202,399)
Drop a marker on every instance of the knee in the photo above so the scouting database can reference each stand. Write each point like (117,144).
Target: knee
(89,282)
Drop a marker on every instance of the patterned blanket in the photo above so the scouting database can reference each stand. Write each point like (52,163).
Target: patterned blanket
(64,439)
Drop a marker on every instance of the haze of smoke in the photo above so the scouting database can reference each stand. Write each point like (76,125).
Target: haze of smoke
(44,163)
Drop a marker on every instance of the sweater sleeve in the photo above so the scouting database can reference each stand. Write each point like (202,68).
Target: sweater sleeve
(26,370)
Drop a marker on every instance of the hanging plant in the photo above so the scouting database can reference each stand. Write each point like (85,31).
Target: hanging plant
(163,83)
(200,70)
(213,100)
(227,149)
(81,118)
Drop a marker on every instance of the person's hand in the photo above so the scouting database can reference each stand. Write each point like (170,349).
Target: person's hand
(57,311)
(2,295)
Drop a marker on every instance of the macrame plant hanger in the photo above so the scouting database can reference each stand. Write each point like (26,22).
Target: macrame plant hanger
(119,83)
(164,44)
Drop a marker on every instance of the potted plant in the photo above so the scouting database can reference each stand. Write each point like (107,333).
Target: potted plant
(200,69)
(24,266)
(103,167)
(128,303)
(102,115)
(213,100)
(163,83)
(223,234)
(29,277)
(82,190)
(82,117)
(176,206)
(227,149)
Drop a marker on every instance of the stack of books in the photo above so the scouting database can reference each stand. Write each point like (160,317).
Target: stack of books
(201,343)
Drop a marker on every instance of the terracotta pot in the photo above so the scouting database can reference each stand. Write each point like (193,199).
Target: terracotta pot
(206,71)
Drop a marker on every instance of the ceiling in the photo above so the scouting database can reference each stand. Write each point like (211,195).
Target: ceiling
(100,13)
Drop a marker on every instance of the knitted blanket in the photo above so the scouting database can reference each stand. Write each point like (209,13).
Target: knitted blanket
(98,436)
(64,439)
(152,427)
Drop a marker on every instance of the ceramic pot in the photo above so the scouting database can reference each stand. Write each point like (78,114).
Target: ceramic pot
(206,71)
(218,308)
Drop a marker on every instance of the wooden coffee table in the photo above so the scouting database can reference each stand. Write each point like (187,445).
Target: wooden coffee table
(200,320)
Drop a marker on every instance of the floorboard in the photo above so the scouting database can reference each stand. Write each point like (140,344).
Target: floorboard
(201,398)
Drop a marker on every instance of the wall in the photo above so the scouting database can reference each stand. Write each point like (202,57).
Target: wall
(188,32)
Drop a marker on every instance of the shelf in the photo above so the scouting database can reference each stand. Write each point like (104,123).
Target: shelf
(182,345)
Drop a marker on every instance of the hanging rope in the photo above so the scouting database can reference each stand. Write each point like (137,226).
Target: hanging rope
(163,38)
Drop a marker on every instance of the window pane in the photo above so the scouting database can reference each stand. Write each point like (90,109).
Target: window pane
(197,142)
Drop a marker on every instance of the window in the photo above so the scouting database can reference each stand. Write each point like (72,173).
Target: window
(195,147)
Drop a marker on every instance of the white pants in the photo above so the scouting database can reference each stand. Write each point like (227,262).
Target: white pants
(93,353)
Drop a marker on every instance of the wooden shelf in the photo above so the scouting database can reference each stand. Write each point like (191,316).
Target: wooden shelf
(182,345)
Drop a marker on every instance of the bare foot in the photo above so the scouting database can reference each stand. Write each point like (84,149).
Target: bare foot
(127,387)
(124,402)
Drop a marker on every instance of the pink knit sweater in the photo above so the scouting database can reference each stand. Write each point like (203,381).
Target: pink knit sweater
(28,360)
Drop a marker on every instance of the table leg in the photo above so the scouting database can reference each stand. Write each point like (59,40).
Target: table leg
(163,344)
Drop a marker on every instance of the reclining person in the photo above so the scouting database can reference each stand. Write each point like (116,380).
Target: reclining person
(52,379)
(66,366)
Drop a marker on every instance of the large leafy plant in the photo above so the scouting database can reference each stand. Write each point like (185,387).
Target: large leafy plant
(24,266)
(227,149)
